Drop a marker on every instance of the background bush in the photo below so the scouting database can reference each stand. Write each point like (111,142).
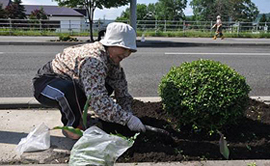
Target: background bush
(67,37)
(204,94)
(64,37)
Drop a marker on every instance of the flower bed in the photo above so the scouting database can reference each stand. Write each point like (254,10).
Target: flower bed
(249,139)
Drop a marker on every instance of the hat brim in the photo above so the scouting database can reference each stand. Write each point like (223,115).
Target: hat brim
(118,45)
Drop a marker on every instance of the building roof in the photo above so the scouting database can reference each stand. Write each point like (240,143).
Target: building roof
(53,10)
(5,3)
(81,10)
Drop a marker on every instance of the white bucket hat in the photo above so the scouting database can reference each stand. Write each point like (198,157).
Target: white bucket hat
(121,35)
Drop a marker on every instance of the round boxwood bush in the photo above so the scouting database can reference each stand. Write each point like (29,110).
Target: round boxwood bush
(204,94)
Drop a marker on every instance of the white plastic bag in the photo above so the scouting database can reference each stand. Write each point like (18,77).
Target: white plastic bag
(37,139)
(98,148)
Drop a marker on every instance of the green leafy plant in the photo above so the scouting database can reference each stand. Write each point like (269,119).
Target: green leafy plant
(71,129)
(85,110)
(252,164)
(223,146)
(129,139)
(204,94)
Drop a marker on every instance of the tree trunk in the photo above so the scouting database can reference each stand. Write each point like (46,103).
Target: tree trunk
(91,29)
(91,24)
(89,12)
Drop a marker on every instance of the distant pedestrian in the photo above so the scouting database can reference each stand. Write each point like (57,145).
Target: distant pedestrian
(218,26)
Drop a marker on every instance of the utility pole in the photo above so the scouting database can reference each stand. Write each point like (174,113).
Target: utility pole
(133,16)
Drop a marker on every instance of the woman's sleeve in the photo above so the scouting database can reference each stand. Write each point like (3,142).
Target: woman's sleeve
(93,78)
(117,80)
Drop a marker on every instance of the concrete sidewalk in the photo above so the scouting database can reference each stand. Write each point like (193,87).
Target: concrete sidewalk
(186,163)
(18,120)
(149,41)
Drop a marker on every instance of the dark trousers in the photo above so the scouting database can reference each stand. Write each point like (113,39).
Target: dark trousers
(67,97)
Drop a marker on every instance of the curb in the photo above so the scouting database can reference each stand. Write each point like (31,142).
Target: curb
(147,44)
(190,44)
(41,43)
(185,163)
(19,102)
(31,102)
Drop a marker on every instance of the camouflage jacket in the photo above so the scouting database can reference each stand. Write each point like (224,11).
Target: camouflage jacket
(90,67)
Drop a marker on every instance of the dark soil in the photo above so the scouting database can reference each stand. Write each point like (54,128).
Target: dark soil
(249,139)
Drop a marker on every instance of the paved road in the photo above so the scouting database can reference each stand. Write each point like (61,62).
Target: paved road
(144,69)
(39,39)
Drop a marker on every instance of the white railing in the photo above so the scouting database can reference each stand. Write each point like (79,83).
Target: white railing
(165,25)
(9,25)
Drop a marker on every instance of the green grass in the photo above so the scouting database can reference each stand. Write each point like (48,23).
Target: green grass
(193,33)
(17,32)
(152,33)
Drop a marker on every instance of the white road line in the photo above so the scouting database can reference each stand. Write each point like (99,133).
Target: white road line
(28,53)
(211,53)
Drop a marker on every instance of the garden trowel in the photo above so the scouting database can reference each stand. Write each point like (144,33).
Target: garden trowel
(157,130)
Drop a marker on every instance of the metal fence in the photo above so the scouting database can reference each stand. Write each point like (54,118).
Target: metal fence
(22,24)
(232,27)
(10,25)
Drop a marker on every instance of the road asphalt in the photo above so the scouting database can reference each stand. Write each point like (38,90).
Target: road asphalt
(18,116)
(149,41)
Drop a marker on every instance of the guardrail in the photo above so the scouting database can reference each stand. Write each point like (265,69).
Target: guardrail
(70,26)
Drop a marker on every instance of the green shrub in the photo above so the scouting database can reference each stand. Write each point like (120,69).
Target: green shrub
(204,94)
(67,37)
(64,37)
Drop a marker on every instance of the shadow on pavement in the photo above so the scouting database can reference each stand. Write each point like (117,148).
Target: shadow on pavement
(158,43)
(9,137)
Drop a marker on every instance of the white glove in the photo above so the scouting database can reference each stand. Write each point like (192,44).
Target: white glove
(135,124)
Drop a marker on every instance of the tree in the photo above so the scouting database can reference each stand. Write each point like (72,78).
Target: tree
(171,9)
(221,7)
(240,10)
(152,9)
(205,10)
(161,10)
(2,12)
(263,18)
(38,14)
(125,15)
(244,10)
(90,6)
(142,13)
(15,10)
